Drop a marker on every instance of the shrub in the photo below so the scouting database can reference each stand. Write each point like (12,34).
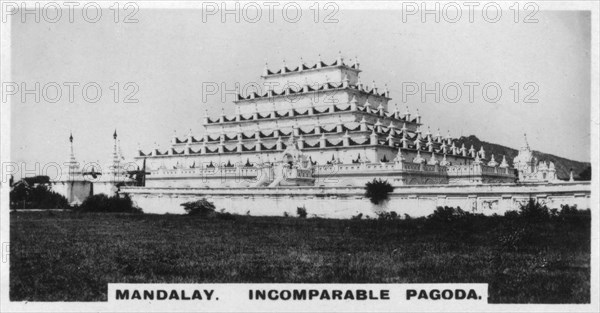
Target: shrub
(378,190)
(447,214)
(512,214)
(534,211)
(387,216)
(106,204)
(572,215)
(301,211)
(200,207)
(357,217)
(226,216)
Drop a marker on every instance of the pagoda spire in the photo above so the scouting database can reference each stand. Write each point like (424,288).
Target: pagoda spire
(399,157)
(492,162)
(444,162)
(526,142)
(115,155)
(433,160)
(72,160)
(504,163)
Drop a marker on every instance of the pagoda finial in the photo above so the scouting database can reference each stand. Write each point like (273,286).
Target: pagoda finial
(356,63)
(399,157)
(71,137)
(492,162)
(292,139)
(444,162)
(115,134)
(526,142)
(571,179)
(266,68)
(433,160)
(504,163)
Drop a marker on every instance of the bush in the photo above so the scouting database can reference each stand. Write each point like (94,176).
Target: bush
(573,216)
(226,216)
(105,204)
(512,214)
(200,207)
(301,211)
(534,211)
(39,197)
(357,217)
(387,216)
(378,190)
(447,214)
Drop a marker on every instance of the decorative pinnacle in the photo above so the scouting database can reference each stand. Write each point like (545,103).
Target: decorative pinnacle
(115,134)
(526,142)
(71,137)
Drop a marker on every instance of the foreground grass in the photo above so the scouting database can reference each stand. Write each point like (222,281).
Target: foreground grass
(72,257)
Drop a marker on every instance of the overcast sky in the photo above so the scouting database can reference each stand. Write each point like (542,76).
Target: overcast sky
(170,53)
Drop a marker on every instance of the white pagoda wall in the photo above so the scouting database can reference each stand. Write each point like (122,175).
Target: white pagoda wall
(347,202)
(319,100)
(321,156)
(74,191)
(320,76)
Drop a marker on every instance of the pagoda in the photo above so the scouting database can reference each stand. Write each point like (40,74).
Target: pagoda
(318,125)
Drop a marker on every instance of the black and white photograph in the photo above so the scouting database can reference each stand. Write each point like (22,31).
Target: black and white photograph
(299,156)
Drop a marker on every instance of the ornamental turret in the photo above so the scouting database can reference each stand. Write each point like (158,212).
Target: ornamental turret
(492,162)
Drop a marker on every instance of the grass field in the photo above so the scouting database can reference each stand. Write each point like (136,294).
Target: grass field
(67,256)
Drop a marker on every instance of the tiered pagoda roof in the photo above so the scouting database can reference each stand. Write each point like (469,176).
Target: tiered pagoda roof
(311,88)
(339,62)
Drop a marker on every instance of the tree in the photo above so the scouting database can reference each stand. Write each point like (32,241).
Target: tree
(586,174)
(378,190)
